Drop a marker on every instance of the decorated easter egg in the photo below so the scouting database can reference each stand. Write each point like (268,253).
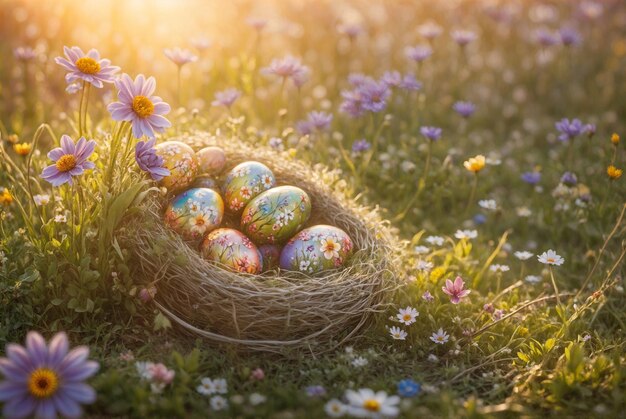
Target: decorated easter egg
(233,249)
(276,215)
(211,160)
(205,181)
(271,256)
(182,163)
(316,249)
(195,212)
(244,182)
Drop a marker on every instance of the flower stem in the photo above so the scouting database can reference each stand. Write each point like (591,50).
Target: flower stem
(179,87)
(472,193)
(80,110)
(556,289)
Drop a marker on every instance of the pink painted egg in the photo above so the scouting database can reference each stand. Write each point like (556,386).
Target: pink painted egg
(211,160)
(233,250)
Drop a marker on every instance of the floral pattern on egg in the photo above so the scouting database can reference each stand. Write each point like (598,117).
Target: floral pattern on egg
(276,215)
(244,182)
(182,163)
(195,212)
(316,249)
(232,249)
(271,256)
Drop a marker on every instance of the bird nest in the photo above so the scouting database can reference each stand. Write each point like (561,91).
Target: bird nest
(276,310)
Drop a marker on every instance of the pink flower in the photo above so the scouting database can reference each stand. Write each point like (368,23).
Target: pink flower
(258,374)
(455,290)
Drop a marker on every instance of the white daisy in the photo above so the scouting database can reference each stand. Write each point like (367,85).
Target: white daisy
(523,255)
(499,268)
(424,266)
(421,250)
(488,204)
(440,337)
(407,315)
(218,403)
(532,279)
(397,333)
(221,386)
(335,409)
(41,199)
(206,387)
(257,399)
(359,362)
(551,258)
(466,234)
(365,403)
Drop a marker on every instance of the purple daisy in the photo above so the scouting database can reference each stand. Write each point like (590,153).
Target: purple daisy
(138,106)
(149,161)
(24,53)
(590,130)
(288,68)
(569,36)
(88,67)
(432,133)
(418,53)
(69,160)
(43,380)
(226,97)
(569,179)
(392,78)
(463,38)
(465,109)
(180,56)
(546,38)
(569,129)
(360,146)
(410,83)
(320,120)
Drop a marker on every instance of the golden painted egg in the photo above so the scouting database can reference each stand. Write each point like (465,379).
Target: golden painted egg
(232,249)
(195,212)
(316,249)
(276,215)
(182,163)
(211,160)
(244,182)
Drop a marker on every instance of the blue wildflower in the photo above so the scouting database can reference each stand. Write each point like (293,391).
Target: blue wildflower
(532,178)
(408,388)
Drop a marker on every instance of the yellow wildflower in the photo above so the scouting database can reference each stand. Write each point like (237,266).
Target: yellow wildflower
(613,172)
(475,164)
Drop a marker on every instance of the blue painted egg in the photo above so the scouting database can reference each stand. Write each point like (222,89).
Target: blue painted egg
(316,249)
(271,256)
(276,215)
(195,212)
(244,182)
(232,249)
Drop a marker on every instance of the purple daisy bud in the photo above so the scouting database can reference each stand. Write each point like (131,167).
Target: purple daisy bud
(532,178)
(361,146)
(569,129)
(569,36)
(432,133)
(465,109)
(45,380)
(418,53)
(180,56)
(88,67)
(149,161)
(374,96)
(69,160)
(392,78)
(138,105)
(569,179)
(226,98)
(304,127)
(463,38)
(358,79)
(545,38)
(24,53)
(590,130)
(410,83)
(320,120)
(288,68)
(315,391)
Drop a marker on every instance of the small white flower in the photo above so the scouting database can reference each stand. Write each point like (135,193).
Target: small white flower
(551,258)
(435,240)
(433,358)
(397,333)
(335,409)
(466,234)
(218,403)
(488,204)
(421,250)
(257,399)
(349,350)
(359,362)
(60,218)
(499,268)
(424,266)
(523,212)
(586,337)
(365,403)
(41,199)
(532,279)
(440,337)
(144,369)
(407,315)
(206,387)
(524,255)
(221,386)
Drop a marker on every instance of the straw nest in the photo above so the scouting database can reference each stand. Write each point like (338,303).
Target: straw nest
(276,310)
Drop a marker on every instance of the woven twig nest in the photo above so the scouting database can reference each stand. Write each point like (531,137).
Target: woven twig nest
(278,309)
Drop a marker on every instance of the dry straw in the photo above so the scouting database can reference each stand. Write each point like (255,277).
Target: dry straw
(277,310)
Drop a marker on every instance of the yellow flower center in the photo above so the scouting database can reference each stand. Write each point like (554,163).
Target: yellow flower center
(407,317)
(550,260)
(66,163)
(87,65)
(43,383)
(372,405)
(200,221)
(330,246)
(143,106)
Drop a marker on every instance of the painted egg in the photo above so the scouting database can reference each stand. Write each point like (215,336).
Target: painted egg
(195,212)
(206,182)
(211,160)
(244,182)
(316,249)
(233,249)
(276,215)
(271,256)
(182,163)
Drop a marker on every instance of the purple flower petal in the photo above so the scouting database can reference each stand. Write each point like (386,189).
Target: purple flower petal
(36,348)
(80,392)
(45,409)
(57,349)
(12,372)
(67,406)
(67,145)
(10,390)
(19,408)
(18,355)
